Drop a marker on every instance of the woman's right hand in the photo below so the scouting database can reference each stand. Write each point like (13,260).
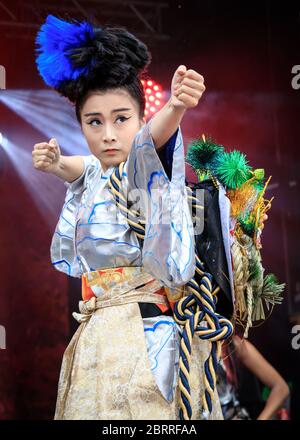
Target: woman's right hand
(46,156)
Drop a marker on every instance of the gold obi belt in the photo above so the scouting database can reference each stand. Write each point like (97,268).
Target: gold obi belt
(101,281)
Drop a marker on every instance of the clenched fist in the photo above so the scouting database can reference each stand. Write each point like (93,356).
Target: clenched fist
(46,156)
(187,88)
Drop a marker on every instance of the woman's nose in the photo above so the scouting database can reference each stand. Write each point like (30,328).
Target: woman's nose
(109,134)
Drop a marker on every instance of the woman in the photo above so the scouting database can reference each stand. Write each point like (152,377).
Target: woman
(122,362)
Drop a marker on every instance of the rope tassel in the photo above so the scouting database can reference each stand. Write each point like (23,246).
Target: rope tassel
(192,311)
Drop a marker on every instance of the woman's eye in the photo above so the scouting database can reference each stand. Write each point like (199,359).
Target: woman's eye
(122,118)
(94,120)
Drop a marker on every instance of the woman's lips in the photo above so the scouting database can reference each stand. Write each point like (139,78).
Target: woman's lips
(111,151)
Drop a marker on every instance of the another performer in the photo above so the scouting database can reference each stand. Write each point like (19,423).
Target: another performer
(238,374)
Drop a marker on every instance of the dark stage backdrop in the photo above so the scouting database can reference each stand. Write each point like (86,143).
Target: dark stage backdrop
(246,53)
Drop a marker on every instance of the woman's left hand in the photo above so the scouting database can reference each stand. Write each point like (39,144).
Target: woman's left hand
(187,88)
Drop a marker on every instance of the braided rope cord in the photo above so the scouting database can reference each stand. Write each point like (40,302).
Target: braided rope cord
(195,312)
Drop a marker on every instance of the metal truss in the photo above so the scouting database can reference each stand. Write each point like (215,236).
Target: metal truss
(144,18)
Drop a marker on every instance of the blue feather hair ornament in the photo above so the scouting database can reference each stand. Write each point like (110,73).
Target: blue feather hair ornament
(59,44)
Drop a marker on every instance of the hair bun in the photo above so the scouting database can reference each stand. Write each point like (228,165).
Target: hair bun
(115,58)
(77,56)
(136,51)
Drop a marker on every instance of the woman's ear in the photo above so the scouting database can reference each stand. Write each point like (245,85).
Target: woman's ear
(142,121)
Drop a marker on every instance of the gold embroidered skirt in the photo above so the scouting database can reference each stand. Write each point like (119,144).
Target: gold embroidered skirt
(106,372)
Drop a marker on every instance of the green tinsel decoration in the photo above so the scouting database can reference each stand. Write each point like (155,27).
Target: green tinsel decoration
(254,269)
(202,155)
(259,175)
(272,290)
(247,224)
(232,169)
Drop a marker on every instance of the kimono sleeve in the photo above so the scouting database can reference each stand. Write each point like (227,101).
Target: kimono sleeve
(168,248)
(62,249)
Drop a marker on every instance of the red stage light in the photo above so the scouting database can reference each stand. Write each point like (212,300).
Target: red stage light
(154,95)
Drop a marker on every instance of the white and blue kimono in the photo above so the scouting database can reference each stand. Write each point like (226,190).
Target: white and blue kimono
(92,233)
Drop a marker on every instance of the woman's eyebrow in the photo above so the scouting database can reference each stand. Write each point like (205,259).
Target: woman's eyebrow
(113,111)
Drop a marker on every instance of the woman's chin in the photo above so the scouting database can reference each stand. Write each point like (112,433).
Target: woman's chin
(112,163)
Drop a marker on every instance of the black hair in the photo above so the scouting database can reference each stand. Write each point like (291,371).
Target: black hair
(119,60)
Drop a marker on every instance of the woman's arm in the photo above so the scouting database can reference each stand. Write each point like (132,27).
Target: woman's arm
(267,374)
(187,88)
(69,168)
(48,158)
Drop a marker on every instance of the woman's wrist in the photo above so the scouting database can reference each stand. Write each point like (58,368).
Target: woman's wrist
(69,168)
(165,123)
(59,168)
(177,110)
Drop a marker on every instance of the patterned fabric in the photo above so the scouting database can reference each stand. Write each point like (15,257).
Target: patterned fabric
(96,282)
(119,366)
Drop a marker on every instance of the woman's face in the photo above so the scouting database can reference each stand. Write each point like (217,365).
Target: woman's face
(109,121)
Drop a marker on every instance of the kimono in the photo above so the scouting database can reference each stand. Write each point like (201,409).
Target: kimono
(122,362)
